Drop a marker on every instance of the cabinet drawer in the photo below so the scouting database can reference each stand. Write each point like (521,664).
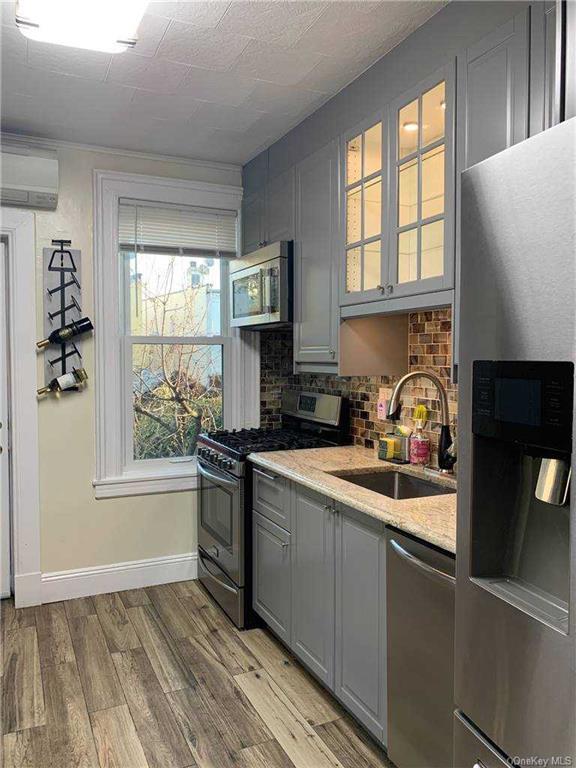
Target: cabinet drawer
(271,497)
(471,749)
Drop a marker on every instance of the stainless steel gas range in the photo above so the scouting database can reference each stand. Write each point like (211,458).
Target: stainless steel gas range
(309,420)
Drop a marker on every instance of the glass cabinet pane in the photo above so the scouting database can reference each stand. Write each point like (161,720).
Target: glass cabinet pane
(372,261)
(433,183)
(407,193)
(433,113)
(373,208)
(373,149)
(354,160)
(353,273)
(408,129)
(408,256)
(353,215)
(432,260)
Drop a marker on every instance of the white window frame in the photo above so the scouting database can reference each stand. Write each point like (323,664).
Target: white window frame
(115,474)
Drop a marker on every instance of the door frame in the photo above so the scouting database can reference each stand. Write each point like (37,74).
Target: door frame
(18,227)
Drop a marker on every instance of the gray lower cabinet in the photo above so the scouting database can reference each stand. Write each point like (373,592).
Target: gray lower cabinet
(272,575)
(316,262)
(313,582)
(360,653)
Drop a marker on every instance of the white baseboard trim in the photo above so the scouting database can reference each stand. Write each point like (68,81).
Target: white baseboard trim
(84,582)
(27,589)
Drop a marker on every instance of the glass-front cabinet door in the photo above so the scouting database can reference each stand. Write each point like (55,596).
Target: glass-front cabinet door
(421,234)
(365,185)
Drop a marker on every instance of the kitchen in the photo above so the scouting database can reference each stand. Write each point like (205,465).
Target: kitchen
(305,276)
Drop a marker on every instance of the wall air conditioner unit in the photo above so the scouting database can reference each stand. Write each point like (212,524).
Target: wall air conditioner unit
(28,177)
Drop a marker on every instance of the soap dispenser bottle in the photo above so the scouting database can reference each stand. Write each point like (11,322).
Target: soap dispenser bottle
(419,446)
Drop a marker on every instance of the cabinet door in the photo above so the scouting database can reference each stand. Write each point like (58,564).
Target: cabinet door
(252,222)
(313,582)
(493,93)
(280,207)
(271,575)
(492,112)
(422,188)
(364,212)
(545,65)
(316,283)
(361,618)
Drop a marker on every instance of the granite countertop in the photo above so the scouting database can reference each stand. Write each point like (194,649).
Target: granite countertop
(431,518)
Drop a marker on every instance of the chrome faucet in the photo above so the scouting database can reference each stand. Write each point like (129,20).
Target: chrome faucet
(446,459)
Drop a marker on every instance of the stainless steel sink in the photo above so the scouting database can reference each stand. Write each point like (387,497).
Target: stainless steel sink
(397,485)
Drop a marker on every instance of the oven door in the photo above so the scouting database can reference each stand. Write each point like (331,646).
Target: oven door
(221,520)
(248,289)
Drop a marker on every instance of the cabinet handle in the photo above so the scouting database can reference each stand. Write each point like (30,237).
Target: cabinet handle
(284,545)
(273,478)
(332,353)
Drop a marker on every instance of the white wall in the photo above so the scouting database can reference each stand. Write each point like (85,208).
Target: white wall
(76,530)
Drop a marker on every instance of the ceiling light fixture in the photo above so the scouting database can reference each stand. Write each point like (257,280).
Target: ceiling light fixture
(98,25)
(410,127)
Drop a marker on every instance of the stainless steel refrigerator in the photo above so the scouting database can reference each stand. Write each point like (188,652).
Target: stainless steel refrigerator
(515,649)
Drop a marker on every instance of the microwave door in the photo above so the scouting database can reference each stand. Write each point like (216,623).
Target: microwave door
(248,288)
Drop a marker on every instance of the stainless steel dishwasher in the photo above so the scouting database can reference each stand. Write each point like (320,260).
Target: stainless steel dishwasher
(420,610)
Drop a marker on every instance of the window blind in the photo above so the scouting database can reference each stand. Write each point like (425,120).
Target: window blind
(186,231)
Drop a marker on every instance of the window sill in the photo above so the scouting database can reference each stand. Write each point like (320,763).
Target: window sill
(145,484)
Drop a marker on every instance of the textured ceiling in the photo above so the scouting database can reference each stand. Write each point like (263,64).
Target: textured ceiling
(208,79)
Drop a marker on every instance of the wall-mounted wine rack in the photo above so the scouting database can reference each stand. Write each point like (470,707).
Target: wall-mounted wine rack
(62,305)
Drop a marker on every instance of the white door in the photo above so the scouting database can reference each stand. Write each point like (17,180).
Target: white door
(4,454)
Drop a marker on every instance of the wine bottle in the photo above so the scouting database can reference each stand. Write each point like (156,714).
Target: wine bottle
(67,332)
(72,380)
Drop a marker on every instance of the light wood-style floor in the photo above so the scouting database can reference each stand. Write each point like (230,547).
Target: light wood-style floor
(159,678)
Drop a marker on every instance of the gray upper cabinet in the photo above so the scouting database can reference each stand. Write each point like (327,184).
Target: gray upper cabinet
(493,92)
(280,207)
(253,235)
(421,220)
(313,582)
(316,263)
(360,651)
(271,597)
(267,207)
(545,65)
(364,183)
(254,180)
(493,108)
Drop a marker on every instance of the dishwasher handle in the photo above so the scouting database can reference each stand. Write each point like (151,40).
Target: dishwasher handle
(425,568)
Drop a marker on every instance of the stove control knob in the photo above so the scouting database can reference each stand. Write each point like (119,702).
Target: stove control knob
(228,464)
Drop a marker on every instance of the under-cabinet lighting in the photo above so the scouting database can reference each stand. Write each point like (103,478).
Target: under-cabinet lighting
(98,25)
(410,127)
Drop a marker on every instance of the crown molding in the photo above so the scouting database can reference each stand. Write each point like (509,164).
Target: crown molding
(43,143)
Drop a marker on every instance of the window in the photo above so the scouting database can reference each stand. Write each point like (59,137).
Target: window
(172,261)
(364,210)
(420,178)
(167,364)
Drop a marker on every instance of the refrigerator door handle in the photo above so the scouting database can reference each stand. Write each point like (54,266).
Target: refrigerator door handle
(429,570)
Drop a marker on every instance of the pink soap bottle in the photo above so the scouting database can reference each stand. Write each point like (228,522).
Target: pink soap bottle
(419,446)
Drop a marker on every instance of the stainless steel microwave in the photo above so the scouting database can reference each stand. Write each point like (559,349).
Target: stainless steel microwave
(261,287)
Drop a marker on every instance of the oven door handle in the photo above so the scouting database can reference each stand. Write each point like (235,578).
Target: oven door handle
(215,577)
(218,479)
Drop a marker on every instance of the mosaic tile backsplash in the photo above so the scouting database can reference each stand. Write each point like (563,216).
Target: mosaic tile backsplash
(429,348)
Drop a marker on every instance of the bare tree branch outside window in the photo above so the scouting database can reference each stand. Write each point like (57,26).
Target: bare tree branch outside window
(176,386)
